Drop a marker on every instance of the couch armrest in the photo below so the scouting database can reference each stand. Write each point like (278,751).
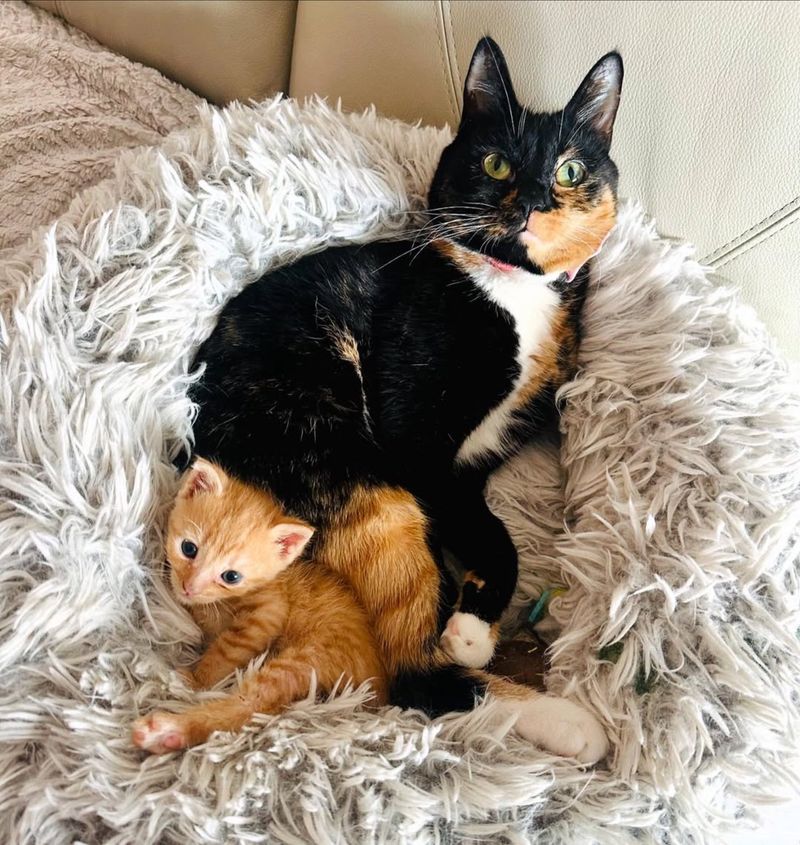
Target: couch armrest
(233,50)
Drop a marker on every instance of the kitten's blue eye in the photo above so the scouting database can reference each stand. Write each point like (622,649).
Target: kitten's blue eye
(570,174)
(189,549)
(497,166)
(231,576)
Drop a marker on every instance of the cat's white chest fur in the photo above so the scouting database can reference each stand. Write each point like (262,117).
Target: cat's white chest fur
(531,303)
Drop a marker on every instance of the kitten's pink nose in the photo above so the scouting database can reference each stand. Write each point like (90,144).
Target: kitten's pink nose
(187,590)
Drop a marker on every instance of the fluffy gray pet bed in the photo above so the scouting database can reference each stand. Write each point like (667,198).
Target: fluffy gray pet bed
(670,514)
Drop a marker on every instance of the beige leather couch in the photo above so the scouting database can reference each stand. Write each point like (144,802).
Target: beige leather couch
(708,136)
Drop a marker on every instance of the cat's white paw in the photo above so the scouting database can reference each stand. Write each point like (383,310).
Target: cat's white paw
(468,640)
(159,733)
(561,727)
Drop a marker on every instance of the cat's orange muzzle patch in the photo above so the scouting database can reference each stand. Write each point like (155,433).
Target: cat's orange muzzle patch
(567,237)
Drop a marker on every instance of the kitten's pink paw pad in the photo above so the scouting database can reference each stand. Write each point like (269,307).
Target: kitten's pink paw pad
(159,733)
(468,640)
(562,727)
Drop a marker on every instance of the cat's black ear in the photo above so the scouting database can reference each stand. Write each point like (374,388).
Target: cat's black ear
(488,88)
(596,101)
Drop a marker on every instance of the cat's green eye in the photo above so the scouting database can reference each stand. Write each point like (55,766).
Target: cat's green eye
(570,174)
(497,166)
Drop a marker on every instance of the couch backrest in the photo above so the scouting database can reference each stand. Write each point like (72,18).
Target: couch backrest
(221,49)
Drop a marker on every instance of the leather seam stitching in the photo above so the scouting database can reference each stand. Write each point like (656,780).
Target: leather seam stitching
(757,243)
(445,57)
(455,76)
(742,236)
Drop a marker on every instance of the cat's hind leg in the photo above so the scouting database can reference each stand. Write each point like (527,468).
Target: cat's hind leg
(557,725)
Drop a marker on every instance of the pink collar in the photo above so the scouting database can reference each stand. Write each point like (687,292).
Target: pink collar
(501,265)
(507,268)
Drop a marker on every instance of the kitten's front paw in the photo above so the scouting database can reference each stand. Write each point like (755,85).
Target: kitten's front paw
(562,727)
(468,640)
(160,733)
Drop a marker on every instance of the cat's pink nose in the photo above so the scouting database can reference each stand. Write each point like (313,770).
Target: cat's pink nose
(187,590)
(534,224)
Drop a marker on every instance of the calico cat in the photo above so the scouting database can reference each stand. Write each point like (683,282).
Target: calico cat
(234,562)
(372,389)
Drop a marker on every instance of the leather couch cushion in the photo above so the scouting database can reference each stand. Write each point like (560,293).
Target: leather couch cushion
(233,50)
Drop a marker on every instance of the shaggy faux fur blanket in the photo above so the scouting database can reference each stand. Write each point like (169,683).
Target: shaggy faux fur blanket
(670,513)
(67,107)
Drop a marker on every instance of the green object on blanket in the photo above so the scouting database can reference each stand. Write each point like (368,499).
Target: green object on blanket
(611,652)
(540,608)
(644,681)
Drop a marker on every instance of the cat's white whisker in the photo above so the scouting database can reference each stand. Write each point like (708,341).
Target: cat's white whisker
(505,89)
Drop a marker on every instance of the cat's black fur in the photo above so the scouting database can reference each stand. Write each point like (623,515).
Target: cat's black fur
(281,407)
(370,365)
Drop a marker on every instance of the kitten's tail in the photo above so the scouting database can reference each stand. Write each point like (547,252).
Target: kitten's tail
(555,724)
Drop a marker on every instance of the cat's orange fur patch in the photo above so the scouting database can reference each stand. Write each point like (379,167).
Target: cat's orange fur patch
(505,689)
(379,544)
(472,578)
(555,360)
(465,259)
(510,199)
(568,236)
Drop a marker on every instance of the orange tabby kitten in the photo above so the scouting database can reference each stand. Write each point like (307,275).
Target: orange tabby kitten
(232,551)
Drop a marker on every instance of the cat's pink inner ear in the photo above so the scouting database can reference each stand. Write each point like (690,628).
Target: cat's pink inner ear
(290,540)
(202,477)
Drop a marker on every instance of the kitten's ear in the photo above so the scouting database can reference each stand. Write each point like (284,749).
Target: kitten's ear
(203,477)
(596,101)
(488,88)
(290,539)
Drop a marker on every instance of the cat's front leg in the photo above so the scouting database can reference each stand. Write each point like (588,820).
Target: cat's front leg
(482,544)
